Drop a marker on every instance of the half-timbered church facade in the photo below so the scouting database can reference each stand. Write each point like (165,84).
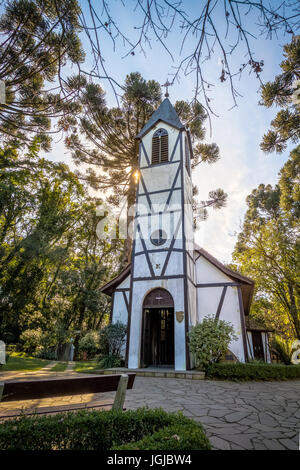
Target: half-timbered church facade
(171,283)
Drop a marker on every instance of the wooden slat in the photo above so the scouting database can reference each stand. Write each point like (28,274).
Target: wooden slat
(47,388)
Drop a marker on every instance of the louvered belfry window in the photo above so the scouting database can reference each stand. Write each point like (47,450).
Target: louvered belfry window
(160,147)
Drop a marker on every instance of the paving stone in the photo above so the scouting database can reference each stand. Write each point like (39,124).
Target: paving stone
(256,415)
(219,443)
(259,446)
(219,413)
(289,444)
(272,444)
(236,416)
(241,440)
(265,418)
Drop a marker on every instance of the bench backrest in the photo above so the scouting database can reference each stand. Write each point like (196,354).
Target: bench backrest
(47,388)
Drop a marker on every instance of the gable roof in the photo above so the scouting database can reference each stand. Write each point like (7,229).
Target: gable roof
(166,113)
(247,284)
(116,281)
(234,275)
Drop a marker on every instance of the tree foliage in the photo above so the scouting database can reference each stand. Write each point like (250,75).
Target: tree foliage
(268,250)
(286,125)
(51,261)
(39,39)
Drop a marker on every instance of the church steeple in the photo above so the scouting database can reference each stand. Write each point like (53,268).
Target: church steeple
(165,113)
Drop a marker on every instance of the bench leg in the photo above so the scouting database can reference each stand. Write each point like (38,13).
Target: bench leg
(121,393)
(1,389)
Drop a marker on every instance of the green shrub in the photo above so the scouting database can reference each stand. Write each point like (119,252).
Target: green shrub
(45,353)
(31,339)
(283,348)
(209,340)
(89,343)
(107,362)
(100,430)
(253,371)
(175,437)
(112,338)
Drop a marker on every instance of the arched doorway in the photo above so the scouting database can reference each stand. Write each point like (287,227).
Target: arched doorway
(157,346)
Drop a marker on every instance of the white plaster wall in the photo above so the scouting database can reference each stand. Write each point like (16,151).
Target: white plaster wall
(140,290)
(231,313)
(125,284)
(158,200)
(175,264)
(207,272)
(250,345)
(208,300)
(119,310)
(158,177)
(120,313)
(170,223)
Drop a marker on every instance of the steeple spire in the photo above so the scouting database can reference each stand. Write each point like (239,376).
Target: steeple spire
(166,113)
(166,85)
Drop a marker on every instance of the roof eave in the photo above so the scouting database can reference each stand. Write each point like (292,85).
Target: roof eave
(142,133)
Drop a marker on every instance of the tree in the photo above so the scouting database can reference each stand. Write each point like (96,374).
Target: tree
(39,39)
(51,261)
(105,139)
(219,28)
(268,251)
(286,125)
(209,340)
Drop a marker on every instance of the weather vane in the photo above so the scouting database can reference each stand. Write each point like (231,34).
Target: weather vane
(167,84)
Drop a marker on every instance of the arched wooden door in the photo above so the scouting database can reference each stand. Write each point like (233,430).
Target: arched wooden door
(157,346)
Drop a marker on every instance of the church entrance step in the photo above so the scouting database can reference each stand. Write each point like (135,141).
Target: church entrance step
(160,372)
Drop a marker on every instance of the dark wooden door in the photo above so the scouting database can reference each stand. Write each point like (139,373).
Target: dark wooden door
(258,348)
(166,337)
(146,340)
(158,337)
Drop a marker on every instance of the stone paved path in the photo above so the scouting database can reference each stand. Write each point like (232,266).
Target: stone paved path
(256,415)
(14,374)
(252,415)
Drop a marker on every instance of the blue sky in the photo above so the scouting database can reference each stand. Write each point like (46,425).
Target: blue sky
(238,132)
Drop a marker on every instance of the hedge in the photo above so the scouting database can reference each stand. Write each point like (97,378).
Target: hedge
(248,371)
(175,437)
(103,430)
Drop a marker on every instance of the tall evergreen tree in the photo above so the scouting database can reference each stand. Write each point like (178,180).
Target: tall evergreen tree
(268,248)
(38,39)
(281,92)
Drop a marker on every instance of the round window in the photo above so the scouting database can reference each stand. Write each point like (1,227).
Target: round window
(159,237)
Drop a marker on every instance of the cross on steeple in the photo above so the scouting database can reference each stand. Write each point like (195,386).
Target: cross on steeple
(166,85)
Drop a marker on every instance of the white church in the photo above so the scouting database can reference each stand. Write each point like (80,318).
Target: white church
(171,283)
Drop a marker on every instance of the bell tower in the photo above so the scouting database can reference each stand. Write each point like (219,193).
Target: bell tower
(162,254)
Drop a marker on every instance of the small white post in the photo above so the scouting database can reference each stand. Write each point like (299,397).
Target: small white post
(2,353)
(121,393)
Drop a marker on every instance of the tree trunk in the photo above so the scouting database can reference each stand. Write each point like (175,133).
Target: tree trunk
(131,199)
(293,310)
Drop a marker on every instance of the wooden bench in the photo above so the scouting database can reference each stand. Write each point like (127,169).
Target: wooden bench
(50,388)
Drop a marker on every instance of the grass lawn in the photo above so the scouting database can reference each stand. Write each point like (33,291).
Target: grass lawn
(87,366)
(20,361)
(59,367)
